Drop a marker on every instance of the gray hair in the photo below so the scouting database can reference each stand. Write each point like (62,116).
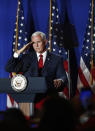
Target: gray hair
(43,36)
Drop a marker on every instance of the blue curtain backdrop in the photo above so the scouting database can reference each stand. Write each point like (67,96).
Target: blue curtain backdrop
(36,14)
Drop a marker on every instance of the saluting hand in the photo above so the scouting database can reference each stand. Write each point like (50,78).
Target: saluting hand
(25,47)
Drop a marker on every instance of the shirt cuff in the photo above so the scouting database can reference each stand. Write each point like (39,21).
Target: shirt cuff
(15,55)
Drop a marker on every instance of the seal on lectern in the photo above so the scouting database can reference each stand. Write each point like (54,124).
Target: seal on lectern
(19,82)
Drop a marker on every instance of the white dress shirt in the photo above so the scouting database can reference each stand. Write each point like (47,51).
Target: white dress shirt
(44,56)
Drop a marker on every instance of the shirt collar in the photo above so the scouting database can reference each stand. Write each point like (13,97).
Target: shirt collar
(44,53)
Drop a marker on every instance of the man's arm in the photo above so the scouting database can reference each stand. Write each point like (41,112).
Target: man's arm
(61,77)
(15,63)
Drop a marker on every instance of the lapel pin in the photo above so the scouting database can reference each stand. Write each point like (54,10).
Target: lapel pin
(48,58)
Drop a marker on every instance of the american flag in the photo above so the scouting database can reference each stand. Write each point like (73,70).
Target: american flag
(57,35)
(86,73)
(21,35)
(20,26)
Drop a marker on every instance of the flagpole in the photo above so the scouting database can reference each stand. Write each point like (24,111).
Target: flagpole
(92,45)
(50,29)
(17,27)
(69,76)
(13,73)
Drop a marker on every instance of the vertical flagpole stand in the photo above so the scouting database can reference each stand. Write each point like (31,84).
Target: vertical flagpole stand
(69,76)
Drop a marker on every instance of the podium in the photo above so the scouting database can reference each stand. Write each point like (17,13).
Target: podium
(34,85)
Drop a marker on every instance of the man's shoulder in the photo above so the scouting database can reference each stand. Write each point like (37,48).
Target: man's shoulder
(55,55)
(28,55)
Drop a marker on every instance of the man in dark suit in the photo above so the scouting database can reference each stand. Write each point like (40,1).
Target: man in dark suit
(51,65)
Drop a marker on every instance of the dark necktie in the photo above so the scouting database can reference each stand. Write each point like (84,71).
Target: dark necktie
(40,63)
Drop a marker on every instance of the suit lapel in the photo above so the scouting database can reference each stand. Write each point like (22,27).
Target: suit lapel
(47,61)
(35,64)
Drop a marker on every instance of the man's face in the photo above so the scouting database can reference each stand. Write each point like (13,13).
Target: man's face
(38,44)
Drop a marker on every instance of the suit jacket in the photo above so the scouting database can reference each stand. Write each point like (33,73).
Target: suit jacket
(28,64)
